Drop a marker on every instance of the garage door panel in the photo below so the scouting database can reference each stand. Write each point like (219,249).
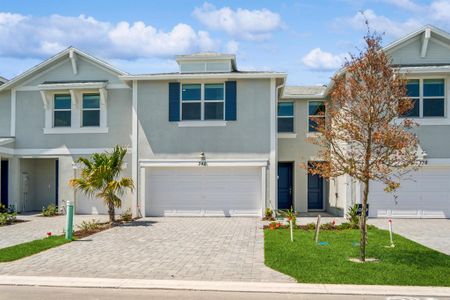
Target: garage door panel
(423,194)
(203,191)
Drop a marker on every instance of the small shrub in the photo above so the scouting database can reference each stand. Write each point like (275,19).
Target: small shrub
(309,226)
(126,216)
(328,226)
(50,211)
(352,215)
(7,215)
(268,214)
(289,214)
(89,226)
(345,226)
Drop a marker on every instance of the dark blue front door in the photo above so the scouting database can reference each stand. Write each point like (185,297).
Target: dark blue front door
(315,192)
(4,183)
(284,185)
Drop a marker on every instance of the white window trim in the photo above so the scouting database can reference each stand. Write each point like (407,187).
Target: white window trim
(425,119)
(208,123)
(287,134)
(312,133)
(54,110)
(82,110)
(77,111)
(202,102)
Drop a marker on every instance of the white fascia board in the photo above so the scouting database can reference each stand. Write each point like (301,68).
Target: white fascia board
(180,58)
(72,86)
(145,163)
(203,76)
(423,70)
(321,96)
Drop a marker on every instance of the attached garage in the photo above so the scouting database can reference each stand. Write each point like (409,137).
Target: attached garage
(203,191)
(422,194)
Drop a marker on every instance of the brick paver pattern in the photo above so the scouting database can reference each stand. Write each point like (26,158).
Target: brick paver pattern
(36,227)
(217,249)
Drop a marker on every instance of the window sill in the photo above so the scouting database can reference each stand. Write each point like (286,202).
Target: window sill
(202,123)
(68,130)
(287,135)
(313,134)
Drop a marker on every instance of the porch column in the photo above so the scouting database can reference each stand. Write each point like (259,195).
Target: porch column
(14,186)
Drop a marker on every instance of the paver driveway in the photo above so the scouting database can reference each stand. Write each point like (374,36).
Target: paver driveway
(433,233)
(36,227)
(161,248)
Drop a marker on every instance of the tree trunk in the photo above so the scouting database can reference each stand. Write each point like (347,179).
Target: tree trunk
(362,223)
(111,212)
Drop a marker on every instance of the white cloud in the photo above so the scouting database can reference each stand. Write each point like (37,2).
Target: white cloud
(381,24)
(440,11)
(28,36)
(319,60)
(252,25)
(232,47)
(405,4)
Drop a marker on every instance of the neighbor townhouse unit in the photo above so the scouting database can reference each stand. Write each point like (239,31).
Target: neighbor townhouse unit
(210,139)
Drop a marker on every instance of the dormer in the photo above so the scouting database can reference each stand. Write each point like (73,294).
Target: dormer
(208,62)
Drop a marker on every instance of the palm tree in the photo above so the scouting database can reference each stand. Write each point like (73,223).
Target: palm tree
(100,178)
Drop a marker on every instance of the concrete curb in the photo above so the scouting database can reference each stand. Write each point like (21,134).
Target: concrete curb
(225,286)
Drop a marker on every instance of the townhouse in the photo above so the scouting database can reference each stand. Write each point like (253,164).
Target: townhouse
(210,139)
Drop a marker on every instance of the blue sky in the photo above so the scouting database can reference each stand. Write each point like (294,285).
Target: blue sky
(307,39)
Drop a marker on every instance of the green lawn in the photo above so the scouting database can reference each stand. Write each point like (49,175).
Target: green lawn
(26,249)
(407,264)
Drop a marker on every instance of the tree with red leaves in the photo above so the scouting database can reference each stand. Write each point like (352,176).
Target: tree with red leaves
(364,134)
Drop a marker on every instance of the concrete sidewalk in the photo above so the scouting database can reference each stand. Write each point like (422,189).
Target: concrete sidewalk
(224,286)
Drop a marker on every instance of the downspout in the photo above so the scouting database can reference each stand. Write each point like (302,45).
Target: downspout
(274,149)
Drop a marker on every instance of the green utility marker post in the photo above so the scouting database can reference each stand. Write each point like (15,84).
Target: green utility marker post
(69,221)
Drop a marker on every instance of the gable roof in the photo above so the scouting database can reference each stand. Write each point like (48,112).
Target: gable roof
(60,55)
(3,80)
(432,29)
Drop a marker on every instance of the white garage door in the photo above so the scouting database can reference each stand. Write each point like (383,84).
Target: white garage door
(422,194)
(203,191)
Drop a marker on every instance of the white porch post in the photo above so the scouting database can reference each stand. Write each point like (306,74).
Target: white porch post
(134,155)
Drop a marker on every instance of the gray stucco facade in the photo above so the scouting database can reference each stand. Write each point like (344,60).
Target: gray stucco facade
(134,112)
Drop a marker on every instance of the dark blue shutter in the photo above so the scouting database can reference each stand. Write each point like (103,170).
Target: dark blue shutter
(174,101)
(230,101)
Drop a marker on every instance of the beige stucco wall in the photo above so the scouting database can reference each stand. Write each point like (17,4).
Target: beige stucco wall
(299,151)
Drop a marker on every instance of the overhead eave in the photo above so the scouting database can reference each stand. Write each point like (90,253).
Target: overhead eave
(68,86)
(204,76)
(321,96)
(424,69)
(6,140)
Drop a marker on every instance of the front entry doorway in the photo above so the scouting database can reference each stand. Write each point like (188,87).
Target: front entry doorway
(315,191)
(285,185)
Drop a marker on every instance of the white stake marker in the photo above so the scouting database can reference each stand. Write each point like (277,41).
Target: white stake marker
(292,230)
(390,232)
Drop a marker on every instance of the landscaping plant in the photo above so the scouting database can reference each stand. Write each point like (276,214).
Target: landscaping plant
(352,214)
(268,214)
(364,134)
(7,215)
(289,214)
(100,177)
(126,216)
(50,211)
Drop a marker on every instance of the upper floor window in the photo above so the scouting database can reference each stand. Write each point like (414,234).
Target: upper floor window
(316,109)
(285,117)
(91,110)
(62,111)
(202,101)
(428,96)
